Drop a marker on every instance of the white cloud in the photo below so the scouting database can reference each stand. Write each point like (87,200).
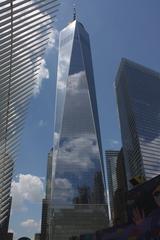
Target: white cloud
(113,142)
(42,123)
(53,39)
(56,138)
(63,63)
(77,82)
(63,67)
(52,34)
(31,224)
(79,153)
(27,188)
(11,231)
(63,191)
(61,85)
(43,74)
(75,157)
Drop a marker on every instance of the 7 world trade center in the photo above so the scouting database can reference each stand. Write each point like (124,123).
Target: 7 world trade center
(137,89)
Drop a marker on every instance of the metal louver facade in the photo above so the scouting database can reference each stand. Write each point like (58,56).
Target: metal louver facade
(24,32)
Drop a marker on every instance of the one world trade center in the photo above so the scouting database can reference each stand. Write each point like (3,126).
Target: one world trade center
(78,187)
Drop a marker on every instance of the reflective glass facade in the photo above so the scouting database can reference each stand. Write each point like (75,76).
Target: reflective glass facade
(44,235)
(139,111)
(77,157)
(117,186)
(111,162)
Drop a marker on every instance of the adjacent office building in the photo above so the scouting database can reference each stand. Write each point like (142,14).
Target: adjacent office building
(44,235)
(117,186)
(138,98)
(38,236)
(9,236)
(78,172)
(111,163)
(24,33)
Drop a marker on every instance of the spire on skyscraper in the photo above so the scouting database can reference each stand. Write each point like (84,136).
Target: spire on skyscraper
(78,172)
(74,11)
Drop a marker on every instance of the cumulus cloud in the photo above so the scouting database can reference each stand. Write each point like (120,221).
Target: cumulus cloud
(31,49)
(53,39)
(63,68)
(76,157)
(27,188)
(43,74)
(77,82)
(78,160)
(11,231)
(31,224)
(63,191)
(64,60)
(80,153)
(56,138)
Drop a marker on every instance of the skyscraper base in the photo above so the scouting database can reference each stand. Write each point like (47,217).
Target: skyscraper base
(75,220)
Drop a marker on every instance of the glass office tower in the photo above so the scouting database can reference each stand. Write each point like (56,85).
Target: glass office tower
(111,162)
(117,186)
(138,100)
(44,235)
(78,190)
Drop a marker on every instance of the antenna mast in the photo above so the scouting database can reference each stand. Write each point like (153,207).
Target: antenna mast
(74,11)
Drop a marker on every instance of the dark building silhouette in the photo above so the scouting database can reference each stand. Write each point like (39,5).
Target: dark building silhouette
(4,226)
(144,198)
(98,189)
(9,236)
(5,235)
(117,186)
(46,201)
(24,238)
(120,196)
(97,195)
(111,163)
(44,235)
(37,236)
(44,221)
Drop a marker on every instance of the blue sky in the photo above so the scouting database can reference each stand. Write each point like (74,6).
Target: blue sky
(117,28)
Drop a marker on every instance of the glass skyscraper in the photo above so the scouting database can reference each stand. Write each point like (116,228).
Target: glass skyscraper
(44,235)
(111,162)
(78,189)
(138,100)
(117,187)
